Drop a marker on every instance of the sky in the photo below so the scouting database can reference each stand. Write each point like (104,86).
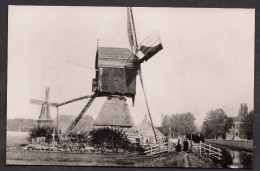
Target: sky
(207,61)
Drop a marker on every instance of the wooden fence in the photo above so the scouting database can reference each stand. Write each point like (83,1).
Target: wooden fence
(209,150)
(158,148)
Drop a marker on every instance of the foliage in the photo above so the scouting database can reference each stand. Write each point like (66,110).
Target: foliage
(109,138)
(78,137)
(216,123)
(197,137)
(113,139)
(41,132)
(247,126)
(243,110)
(178,124)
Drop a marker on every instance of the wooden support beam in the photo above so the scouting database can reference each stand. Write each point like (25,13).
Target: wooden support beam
(73,100)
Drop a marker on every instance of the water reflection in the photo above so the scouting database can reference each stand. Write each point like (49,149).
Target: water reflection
(236,159)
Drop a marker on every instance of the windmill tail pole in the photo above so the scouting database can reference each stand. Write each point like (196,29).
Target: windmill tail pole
(147,104)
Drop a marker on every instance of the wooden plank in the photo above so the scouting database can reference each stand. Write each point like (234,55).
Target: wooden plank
(208,145)
(156,149)
(117,81)
(208,150)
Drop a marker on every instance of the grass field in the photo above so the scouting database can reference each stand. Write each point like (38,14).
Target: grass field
(15,139)
(180,159)
(16,156)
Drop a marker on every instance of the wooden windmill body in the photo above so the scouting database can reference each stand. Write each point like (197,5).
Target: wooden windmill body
(116,70)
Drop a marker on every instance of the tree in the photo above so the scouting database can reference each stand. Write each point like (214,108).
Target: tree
(197,137)
(78,137)
(178,124)
(247,126)
(216,124)
(109,138)
(166,125)
(243,110)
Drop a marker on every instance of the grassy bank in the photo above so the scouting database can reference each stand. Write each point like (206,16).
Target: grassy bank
(180,159)
(15,139)
(234,144)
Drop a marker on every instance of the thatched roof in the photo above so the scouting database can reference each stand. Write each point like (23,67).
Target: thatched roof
(115,112)
(116,57)
(145,127)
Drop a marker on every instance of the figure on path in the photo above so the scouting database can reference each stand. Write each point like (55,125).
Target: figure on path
(178,147)
(185,145)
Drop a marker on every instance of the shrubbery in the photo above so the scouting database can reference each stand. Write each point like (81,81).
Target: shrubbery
(41,132)
(78,137)
(113,139)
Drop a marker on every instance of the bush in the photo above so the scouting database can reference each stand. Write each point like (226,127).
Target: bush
(41,132)
(78,137)
(113,139)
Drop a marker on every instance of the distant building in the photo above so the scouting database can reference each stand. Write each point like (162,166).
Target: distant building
(146,132)
(235,130)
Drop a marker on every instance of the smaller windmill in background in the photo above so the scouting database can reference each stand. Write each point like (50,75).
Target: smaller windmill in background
(45,119)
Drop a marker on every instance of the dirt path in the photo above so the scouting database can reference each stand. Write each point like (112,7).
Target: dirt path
(186,163)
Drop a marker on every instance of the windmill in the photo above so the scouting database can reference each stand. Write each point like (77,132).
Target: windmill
(116,72)
(45,117)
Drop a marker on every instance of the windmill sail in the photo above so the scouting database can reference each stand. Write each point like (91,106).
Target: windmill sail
(150,46)
(47,94)
(131,30)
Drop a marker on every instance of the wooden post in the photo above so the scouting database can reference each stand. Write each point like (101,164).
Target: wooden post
(209,149)
(170,132)
(58,122)
(200,147)
(219,154)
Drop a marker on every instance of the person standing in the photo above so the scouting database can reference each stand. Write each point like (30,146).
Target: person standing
(178,146)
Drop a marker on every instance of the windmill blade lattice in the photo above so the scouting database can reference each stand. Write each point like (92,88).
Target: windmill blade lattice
(47,94)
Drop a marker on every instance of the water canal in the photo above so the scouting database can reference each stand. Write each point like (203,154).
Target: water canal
(237,159)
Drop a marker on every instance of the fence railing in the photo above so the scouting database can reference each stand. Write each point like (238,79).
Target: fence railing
(158,148)
(209,150)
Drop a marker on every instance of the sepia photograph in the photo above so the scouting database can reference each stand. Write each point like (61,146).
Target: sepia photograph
(130,86)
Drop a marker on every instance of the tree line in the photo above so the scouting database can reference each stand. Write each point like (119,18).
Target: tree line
(178,124)
(216,124)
